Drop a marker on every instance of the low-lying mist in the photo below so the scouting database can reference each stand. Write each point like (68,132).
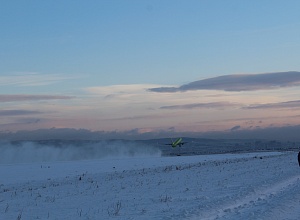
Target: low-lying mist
(27,152)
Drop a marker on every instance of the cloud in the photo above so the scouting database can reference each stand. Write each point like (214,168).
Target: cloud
(235,128)
(240,82)
(201,105)
(143,117)
(32,79)
(28,120)
(138,117)
(20,98)
(166,89)
(17,112)
(21,121)
(133,95)
(114,91)
(289,104)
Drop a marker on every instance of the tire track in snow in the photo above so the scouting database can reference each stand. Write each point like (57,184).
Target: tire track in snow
(250,200)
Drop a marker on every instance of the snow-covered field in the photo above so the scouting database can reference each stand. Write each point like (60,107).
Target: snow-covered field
(263,185)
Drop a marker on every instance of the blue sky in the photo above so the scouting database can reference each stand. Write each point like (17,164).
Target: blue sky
(79,64)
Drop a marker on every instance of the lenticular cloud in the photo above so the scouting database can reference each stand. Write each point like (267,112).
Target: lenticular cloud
(240,82)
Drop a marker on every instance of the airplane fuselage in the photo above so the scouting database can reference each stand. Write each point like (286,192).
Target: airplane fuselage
(177,142)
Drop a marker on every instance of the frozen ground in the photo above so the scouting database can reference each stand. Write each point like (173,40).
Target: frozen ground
(262,185)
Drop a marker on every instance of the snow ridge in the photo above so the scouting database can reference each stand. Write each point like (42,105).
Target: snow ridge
(247,203)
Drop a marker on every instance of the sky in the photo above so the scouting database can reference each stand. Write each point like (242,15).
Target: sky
(149,66)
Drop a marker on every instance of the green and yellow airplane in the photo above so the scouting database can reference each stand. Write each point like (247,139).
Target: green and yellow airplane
(178,142)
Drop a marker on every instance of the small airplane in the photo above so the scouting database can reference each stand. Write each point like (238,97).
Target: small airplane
(178,142)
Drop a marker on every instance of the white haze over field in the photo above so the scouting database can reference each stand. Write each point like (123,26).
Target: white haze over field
(27,152)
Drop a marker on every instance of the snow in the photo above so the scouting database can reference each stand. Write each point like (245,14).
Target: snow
(263,185)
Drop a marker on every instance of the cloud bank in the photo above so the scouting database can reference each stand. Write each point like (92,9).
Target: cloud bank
(219,105)
(17,112)
(20,98)
(240,82)
(289,104)
(32,79)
